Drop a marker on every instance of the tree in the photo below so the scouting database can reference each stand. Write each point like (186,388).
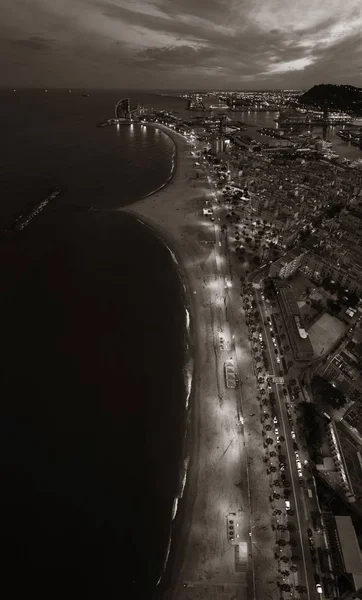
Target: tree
(326,393)
(313,424)
(333,307)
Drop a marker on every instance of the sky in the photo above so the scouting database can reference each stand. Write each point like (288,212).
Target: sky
(180,44)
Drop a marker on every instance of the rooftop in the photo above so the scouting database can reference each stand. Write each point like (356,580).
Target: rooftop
(349,545)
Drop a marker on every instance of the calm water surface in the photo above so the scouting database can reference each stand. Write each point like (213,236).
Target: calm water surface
(92,414)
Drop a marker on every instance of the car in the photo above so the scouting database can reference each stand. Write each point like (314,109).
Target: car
(292,434)
(275,420)
(287,504)
(278,359)
(273,340)
(319,588)
(300,474)
(269,387)
(271,329)
(309,532)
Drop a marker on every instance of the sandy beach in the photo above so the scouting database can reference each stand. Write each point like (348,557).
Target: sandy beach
(202,562)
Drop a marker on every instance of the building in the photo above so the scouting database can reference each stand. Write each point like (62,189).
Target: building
(298,337)
(253,138)
(218,145)
(344,480)
(353,418)
(318,267)
(286,265)
(344,550)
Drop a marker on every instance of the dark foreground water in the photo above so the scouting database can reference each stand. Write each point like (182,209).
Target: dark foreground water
(92,389)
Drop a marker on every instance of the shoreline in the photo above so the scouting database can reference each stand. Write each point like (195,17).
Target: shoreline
(189,452)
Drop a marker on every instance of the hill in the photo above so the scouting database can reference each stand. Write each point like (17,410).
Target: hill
(335,97)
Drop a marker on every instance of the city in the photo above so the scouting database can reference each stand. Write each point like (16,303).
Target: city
(181,209)
(283,285)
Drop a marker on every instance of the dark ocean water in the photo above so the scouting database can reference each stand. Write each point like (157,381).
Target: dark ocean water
(93,333)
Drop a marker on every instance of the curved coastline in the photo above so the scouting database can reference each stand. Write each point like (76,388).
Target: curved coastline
(178,183)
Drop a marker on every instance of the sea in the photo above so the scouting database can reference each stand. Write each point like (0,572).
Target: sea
(94,336)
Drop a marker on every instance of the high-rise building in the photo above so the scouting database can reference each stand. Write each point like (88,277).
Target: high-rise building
(218,145)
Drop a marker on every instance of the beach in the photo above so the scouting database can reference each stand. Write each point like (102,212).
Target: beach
(202,560)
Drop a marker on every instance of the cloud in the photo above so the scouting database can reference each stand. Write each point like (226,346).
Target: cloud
(219,40)
(35,42)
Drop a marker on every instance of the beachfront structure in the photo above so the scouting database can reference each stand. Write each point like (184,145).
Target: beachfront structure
(229,373)
(123,110)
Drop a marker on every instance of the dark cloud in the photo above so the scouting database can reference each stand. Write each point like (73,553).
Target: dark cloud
(180,42)
(37,43)
(181,56)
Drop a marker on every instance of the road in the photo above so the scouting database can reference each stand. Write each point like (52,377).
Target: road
(306,575)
